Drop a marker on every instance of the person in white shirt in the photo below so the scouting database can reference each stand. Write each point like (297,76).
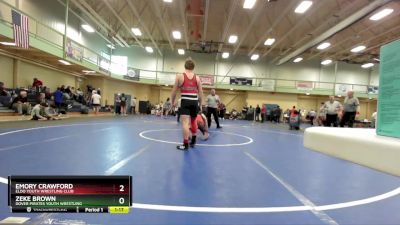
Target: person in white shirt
(133,104)
(212,108)
(96,101)
(332,109)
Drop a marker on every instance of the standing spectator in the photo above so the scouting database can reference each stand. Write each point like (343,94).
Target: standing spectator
(277,114)
(374,119)
(21,104)
(222,110)
(117,104)
(5,96)
(79,95)
(62,89)
(123,104)
(258,111)
(96,102)
(133,104)
(58,98)
(311,116)
(212,107)
(332,109)
(350,109)
(263,113)
(166,107)
(98,91)
(37,84)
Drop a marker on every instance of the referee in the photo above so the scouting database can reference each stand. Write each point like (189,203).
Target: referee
(212,107)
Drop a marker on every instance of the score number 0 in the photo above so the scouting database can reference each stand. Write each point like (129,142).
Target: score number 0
(121,200)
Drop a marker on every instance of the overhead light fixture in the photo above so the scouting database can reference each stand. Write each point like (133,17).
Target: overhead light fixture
(169,1)
(166,85)
(358,48)
(8,43)
(326,62)
(303,6)
(381,14)
(324,45)
(231,89)
(225,55)
(88,28)
(376,59)
(149,49)
(269,41)
(339,96)
(88,71)
(136,31)
(233,39)
(176,34)
(298,59)
(367,65)
(307,93)
(248,4)
(64,62)
(181,51)
(111,46)
(254,57)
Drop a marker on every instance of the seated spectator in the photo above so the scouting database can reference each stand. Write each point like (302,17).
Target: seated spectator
(5,96)
(79,95)
(37,84)
(50,112)
(36,112)
(3,90)
(62,88)
(21,104)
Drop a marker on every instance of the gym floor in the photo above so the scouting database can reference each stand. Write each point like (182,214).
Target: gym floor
(246,173)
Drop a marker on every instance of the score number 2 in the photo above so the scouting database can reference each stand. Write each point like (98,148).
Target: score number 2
(121,200)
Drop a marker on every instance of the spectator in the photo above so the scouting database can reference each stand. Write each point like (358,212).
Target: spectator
(79,95)
(133,104)
(123,104)
(117,104)
(332,109)
(374,119)
(37,84)
(37,110)
(311,116)
(263,113)
(351,107)
(212,107)
(3,90)
(98,91)
(68,90)
(222,110)
(258,111)
(276,114)
(96,101)
(58,98)
(62,89)
(21,104)
(167,107)
(286,116)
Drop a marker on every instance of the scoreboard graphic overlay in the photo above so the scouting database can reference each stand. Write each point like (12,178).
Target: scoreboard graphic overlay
(72,194)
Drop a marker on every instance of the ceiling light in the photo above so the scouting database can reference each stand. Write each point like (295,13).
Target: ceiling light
(149,49)
(303,6)
(233,39)
(64,62)
(111,46)
(248,4)
(307,93)
(358,48)
(181,51)
(376,59)
(168,1)
(136,31)
(269,41)
(254,57)
(298,59)
(324,45)
(339,96)
(88,28)
(367,65)
(326,62)
(225,55)
(8,43)
(176,34)
(231,89)
(379,15)
(88,71)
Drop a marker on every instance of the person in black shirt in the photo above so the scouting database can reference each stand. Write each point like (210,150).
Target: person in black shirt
(258,111)
(21,104)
